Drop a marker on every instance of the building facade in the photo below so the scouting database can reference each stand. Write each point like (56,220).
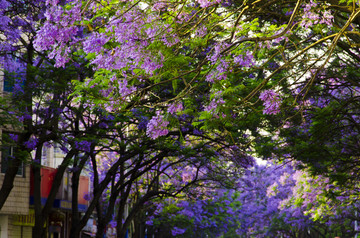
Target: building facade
(17,205)
(17,215)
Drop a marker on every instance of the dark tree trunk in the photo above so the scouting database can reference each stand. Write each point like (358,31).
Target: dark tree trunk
(121,231)
(122,204)
(38,229)
(75,216)
(42,213)
(75,186)
(8,182)
(105,218)
(101,226)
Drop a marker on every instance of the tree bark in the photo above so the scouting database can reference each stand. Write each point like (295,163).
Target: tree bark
(8,182)
(38,229)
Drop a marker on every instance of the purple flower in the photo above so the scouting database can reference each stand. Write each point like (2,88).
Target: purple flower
(271,101)
(197,132)
(18,88)
(288,13)
(157,127)
(143,123)
(226,3)
(4,4)
(207,3)
(177,231)
(83,145)
(124,89)
(103,125)
(64,149)
(14,137)
(87,197)
(215,103)
(149,223)
(244,60)
(95,42)
(175,107)
(31,144)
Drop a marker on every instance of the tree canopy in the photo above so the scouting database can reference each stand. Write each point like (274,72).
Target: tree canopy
(173,98)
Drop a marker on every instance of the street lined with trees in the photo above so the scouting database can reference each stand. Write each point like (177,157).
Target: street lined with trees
(167,105)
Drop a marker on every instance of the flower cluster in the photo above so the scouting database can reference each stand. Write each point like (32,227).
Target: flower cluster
(271,101)
(207,3)
(215,103)
(156,127)
(175,107)
(244,60)
(58,31)
(31,143)
(83,145)
(312,17)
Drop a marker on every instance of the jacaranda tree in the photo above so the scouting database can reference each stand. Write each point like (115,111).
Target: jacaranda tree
(274,200)
(201,84)
(235,58)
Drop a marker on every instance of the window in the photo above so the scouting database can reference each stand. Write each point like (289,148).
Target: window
(57,148)
(8,83)
(7,153)
(44,159)
(11,79)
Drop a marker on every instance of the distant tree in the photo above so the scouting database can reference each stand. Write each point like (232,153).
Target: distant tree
(268,201)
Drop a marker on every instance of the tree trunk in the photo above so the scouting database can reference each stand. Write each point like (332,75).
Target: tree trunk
(101,226)
(38,229)
(8,182)
(42,212)
(121,231)
(75,216)
(122,204)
